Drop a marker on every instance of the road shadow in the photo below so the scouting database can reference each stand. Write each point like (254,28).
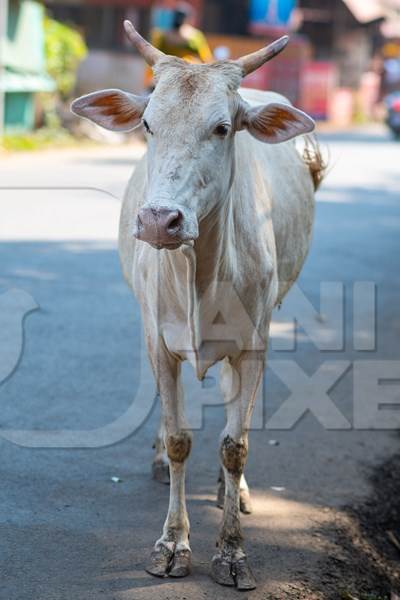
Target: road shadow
(68,531)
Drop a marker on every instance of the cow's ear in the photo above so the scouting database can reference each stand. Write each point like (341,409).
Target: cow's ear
(275,122)
(112,109)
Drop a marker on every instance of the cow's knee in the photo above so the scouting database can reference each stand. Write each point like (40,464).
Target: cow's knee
(234,455)
(178,446)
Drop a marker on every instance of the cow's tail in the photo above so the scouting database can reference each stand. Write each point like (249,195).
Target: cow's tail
(312,156)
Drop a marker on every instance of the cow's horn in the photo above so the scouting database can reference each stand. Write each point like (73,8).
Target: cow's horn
(251,62)
(150,54)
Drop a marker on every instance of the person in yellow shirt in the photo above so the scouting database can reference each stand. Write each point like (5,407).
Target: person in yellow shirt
(182,40)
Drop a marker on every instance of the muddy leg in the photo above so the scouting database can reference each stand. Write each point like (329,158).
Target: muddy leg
(172,555)
(229,566)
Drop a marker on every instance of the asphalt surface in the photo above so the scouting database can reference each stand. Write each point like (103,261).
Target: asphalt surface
(72,362)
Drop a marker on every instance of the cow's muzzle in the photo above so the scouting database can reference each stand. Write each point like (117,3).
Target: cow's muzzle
(161,227)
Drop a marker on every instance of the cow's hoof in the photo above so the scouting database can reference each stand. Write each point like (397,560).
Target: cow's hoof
(246,506)
(181,564)
(160,471)
(230,572)
(165,562)
(243,575)
(221,570)
(160,561)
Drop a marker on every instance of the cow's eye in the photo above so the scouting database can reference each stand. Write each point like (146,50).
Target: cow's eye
(147,127)
(221,130)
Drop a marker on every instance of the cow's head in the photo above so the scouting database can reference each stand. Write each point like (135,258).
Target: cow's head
(190,121)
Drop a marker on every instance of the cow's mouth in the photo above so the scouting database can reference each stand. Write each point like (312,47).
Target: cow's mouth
(171,246)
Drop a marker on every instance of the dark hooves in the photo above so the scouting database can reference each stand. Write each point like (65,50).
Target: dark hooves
(221,571)
(160,560)
(165,562)
(181,564)
(243,575)
(236,573)
(160,471)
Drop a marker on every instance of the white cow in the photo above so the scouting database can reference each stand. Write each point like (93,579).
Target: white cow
(215,227)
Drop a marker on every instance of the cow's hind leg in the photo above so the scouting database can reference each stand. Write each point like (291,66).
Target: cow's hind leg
(245,503)
(172,555)
(244,495)
(230,566)
(160,465)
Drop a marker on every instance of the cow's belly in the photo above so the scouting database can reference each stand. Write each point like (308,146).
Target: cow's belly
(291,253)
(221,325)
(178,340)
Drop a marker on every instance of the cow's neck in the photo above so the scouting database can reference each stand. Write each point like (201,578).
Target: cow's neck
(204,271)
(211,246)
(207,263)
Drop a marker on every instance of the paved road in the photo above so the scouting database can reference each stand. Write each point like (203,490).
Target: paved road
(66,529)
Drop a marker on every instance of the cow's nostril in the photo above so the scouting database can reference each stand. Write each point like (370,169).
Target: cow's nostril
(174,222)
(159,226)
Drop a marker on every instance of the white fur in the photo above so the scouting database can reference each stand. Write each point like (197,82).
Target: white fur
(247,210)
(249,206)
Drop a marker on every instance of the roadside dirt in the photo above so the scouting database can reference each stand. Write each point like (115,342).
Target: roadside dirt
(364,560)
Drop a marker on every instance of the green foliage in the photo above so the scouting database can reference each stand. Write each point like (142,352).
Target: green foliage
(36,140)
(64,49)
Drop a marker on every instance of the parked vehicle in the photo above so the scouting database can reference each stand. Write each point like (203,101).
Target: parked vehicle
(393,113)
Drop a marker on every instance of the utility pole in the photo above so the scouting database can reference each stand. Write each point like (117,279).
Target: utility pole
(3,37)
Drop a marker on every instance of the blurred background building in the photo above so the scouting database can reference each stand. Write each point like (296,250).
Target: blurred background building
(343,58)
(23,65)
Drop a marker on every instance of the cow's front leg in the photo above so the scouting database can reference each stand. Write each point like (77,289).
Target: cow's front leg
(172,555)
(229,566)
